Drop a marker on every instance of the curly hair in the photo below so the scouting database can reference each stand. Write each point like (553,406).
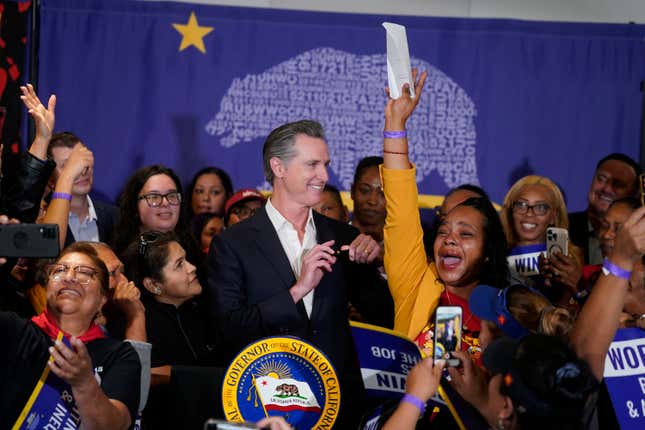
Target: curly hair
(129,225)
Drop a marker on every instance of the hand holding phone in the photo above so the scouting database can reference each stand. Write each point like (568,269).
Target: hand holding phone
(557,240)
(447,334)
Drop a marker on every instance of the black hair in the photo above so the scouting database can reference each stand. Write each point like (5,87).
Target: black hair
(146,256)
(631,202)
(468,187)
(618,156)
(548,384)
(88,250)
(364,164)
(198,222)
(223,176)
(64,139)
(495,269)
(129,225)
(334,191)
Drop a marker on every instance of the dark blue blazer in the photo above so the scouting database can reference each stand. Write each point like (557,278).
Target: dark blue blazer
(107,216)
(249,277)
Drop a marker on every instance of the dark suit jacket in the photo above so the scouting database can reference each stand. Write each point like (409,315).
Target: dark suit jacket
(106,218)
(579,232)
(250,277)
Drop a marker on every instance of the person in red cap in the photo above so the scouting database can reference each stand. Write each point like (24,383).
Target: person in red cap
(242,205)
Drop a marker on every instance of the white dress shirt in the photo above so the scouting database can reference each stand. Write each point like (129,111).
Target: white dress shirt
(292,246)
(88,230)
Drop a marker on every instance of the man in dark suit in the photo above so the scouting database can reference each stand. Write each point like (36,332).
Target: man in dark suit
(280,273)
(616,176)
(89,220)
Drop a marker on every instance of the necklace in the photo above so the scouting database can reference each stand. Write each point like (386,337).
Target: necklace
(470,316)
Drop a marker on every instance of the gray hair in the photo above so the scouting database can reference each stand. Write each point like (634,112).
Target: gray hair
(280,142)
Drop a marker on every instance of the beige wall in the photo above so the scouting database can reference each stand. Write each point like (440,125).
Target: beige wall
(617,11)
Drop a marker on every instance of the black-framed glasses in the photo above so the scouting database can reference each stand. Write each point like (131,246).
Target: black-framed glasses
(81,274)
(155,199)
(146,238)
(522,207)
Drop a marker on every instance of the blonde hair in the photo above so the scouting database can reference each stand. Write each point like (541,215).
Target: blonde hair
(555,200)
(536,313)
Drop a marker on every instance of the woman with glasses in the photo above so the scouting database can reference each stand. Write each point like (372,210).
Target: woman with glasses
(152,200)
(533,204)
(103,374)
(176,323)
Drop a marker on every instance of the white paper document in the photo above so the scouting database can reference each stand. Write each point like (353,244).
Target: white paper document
(398,59)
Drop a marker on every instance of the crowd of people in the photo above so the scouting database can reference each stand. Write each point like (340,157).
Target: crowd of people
(157,294)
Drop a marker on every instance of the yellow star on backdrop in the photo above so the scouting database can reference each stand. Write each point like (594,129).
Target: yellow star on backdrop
(192,34)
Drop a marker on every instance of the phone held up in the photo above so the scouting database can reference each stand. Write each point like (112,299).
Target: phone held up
(447,333)
(642,186)
(29,240)
(557,240)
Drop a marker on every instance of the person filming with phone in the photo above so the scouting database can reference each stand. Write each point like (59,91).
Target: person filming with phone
(535,222)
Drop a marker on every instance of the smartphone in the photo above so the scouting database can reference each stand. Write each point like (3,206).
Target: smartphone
(642,184)
(29,240)
(213,424)
(447,333)
(557,239)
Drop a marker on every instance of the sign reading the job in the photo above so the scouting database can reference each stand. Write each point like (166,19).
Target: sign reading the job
(625,377)
(385,357)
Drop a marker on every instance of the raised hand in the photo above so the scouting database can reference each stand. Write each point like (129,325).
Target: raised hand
(80,163)
(73,365)
(398,111)
(44,117)
(630,241)
(127,297)
(423,379)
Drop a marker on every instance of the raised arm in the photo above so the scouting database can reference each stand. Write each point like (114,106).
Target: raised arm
(405,259)
(79,161)
(43,117)
(598,321)
(397,112)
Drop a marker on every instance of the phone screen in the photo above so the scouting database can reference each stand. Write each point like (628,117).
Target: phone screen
(447,331)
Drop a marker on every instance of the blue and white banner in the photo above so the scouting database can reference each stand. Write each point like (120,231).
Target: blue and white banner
(51,404)
(523,260)
(385,357)
(625,377)
(190,85)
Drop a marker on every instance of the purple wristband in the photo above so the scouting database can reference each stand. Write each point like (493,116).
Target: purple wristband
(609,268)
(395,134)
(63,196)
(409,398)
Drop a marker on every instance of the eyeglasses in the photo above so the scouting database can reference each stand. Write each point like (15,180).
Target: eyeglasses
(155,199)
(82,274)
(145,239)
(521,207)
(243,211)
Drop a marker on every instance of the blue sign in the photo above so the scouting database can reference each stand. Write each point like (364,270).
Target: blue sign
(190,85)
(51,404)
(625,377)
